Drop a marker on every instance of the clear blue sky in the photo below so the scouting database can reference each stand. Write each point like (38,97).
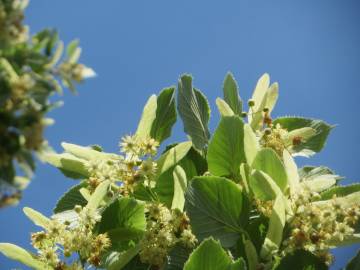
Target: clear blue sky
(312,48)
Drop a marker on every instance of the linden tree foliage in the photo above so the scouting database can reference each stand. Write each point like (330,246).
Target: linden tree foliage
(234,199)
(32,68)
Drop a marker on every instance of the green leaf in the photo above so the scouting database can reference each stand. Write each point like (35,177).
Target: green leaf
(36,217)
(301,260)
(340,191)
(21,255)
(209,255)
(123,215)
(257,229)
(194,111)
(172,157)
(180,184)
(215,208)
(98,195)
(68,164)
(275,232)
(165,115)
(56,56)
(136,264)
(354,264)
(269,162)
(251,144)
(231,94)
(226,148)
(263,186)
(239,264)
(192,163)
(118,260)
(71,198)
(177,258)
(224,108)
(313,144)
(70,49)
(147,118)
(251,254)
(74,57)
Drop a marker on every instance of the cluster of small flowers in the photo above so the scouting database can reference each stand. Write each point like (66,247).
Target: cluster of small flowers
(11,17)
(314,228)
(137,146)
(79,238)
(19,85)
(165,228)
(264,207)
(75,71)
(273,138)
(103,169)
(137,165)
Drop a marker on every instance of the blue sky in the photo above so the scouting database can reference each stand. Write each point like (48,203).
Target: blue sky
(139,47)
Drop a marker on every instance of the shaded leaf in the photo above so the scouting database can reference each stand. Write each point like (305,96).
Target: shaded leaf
(194,110)
(177,258)
(301,260)
(165,115)
(118,260)
(218,259)
(71,198)
(215,208)
(231,94)
(340,191)
(354,264)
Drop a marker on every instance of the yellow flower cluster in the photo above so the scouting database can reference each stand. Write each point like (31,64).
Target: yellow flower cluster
(71,238)
(134,167)
(273,138)
(165,228)
(316,229)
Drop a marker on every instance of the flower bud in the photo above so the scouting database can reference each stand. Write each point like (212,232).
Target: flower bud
(251,102)
(267,131)
(77,208)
